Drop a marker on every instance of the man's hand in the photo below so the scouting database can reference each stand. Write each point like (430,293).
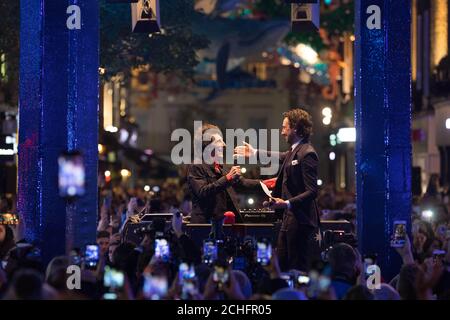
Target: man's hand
(244,151)
(234,173)
(278,203)
(405,252)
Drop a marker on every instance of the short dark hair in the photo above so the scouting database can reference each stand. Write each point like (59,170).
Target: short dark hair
(200,132)
(301,121)
(359,292)
(342,258)
(407,285)
(103,234)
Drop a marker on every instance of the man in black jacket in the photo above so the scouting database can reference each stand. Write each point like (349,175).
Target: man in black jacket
(212,186)
(295,192)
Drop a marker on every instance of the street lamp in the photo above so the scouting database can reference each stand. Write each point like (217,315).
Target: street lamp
(327,115)
(125,173)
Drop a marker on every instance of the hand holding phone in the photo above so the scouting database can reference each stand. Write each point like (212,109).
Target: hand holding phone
(399,235)
(209,252)
(220,275)
(264,252)
(113,279)
(155,287)
(187,280)
(162,249)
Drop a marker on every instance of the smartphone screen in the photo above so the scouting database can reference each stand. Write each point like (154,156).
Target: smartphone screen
(209,252)
(186,272)
(187,278)
(263,253)
(91,256)
(155,288)
(71,174)
(113,279)
(399,236)
(162,249)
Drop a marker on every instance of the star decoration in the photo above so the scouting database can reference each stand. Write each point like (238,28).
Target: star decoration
(318,237)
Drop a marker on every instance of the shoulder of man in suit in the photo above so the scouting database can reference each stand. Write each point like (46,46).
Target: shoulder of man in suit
(305,150)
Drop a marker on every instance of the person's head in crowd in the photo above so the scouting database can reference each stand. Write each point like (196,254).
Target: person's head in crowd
(103,241)
(289,294)
(27,284)
(143,261)
(6,241)
(202,272)
(386,292)
(24,256)
(56,274)
(422,241)
(112,247)
(125,258)
(343,262)
(408,281)
(359,292)
(244,283)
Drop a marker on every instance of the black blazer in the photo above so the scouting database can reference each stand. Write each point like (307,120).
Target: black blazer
(297,182)
(210,191)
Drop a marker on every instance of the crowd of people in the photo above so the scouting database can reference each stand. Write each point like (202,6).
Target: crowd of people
(167,264)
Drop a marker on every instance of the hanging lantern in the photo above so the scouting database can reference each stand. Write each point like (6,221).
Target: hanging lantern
(305,17)
(145,16)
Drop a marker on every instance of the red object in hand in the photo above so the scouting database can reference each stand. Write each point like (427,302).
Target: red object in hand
(270,183)
(229,217)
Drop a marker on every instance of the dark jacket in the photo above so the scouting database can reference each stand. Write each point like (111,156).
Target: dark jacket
(297,182)
(212,193)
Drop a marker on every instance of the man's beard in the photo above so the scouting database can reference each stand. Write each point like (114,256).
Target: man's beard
(290,139)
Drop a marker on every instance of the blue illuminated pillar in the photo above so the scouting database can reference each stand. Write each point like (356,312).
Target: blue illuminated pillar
(383,121)
(58,112)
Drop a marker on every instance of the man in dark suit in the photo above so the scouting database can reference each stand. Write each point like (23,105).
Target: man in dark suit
(294,193)
(211,186)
